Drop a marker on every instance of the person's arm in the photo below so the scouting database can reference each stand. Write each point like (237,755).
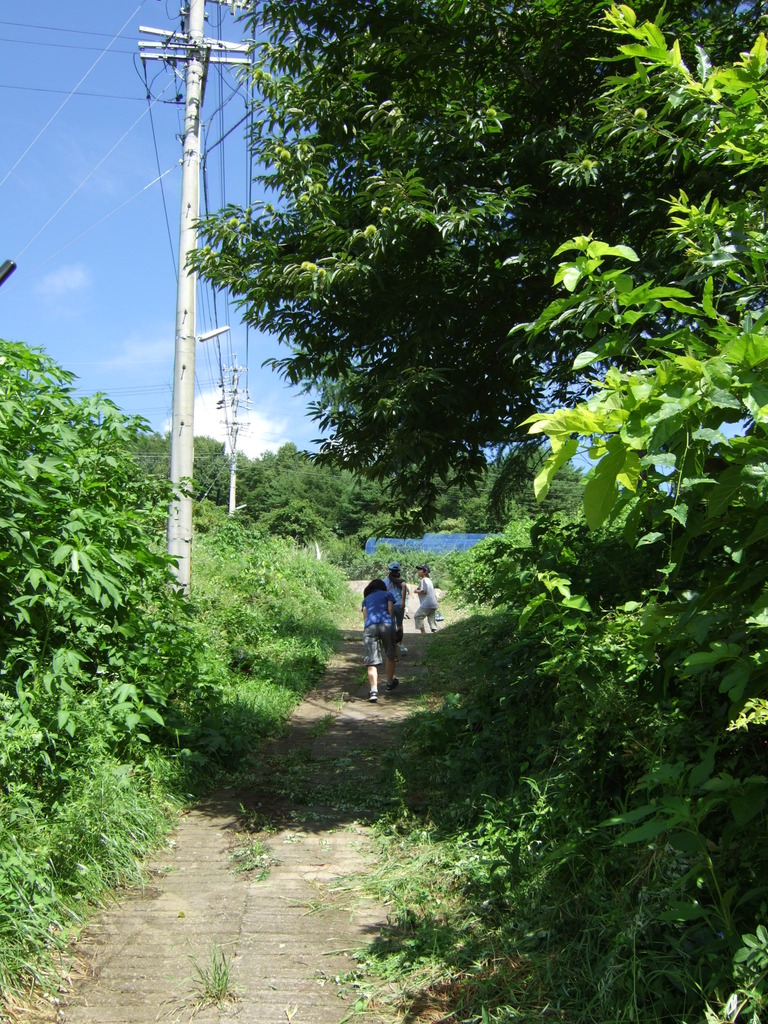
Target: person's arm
(391,608)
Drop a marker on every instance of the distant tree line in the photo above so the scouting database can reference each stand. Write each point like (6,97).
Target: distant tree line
(287,494)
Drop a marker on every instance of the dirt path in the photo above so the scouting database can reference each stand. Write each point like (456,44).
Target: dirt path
(290,937)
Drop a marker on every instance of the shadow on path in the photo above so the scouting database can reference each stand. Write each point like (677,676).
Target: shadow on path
(290,925)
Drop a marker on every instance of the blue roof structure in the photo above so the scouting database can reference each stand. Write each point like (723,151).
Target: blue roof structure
(430,543)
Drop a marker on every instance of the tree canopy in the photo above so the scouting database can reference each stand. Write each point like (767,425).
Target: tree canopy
(421,160)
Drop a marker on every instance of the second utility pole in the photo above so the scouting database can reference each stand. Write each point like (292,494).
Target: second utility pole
(182,424)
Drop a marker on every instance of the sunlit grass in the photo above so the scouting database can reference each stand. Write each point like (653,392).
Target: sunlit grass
(212,978)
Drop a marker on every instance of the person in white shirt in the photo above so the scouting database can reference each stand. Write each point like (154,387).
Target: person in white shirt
(427,601)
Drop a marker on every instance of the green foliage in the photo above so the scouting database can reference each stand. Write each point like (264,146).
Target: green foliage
(421,161)
(608,738)
(118,697)
(605,840)
(268,613)
(89,622)
(679,441)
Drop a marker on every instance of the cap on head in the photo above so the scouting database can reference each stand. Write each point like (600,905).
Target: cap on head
(394,565)
(424,567)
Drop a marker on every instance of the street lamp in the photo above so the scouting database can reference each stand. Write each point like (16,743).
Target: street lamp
(212,334)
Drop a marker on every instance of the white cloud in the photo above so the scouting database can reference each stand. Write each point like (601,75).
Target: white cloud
(257,432)
(142,349)
(64,281)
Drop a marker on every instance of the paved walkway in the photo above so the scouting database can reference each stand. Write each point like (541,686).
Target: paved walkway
(290,937)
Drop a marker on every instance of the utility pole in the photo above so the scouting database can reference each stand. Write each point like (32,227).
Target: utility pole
(197,52)
(232,399)
(182,422)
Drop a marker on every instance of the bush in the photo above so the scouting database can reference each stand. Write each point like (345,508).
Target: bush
(118,697)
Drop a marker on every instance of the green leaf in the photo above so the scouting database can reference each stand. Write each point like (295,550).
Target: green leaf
(570,276)
(734,683)
(650,830)
(703,771)
(747,349)
(153,715)
(706,299)
(601,490)
(686,842)
(679,910)
(629,817)
(725,491)
(650,538)
(703,660)
(530,608)
(599,249)
(679,513)
(577,603)
(585,359)
(543,479)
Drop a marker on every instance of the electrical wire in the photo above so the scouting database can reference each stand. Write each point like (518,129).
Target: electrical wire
(53,116)
(157,162)
(72,31)
(225,95)
(59,46)
(88,176)
(16,279)
(59,92)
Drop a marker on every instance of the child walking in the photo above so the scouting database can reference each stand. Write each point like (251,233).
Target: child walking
(378,633)
(427,601)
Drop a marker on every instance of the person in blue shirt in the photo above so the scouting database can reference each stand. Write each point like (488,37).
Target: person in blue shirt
(378,635)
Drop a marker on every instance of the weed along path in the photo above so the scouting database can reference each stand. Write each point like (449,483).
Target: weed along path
(252,913)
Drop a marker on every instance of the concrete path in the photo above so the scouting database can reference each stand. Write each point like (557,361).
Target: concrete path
(291,937)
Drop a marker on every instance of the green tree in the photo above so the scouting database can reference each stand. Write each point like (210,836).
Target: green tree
(679,441)
(89,621)
(212,469)
(152,451)
(422,160)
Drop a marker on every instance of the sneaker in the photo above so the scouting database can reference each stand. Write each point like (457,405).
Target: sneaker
(392,683)
(373,696)
(403,650)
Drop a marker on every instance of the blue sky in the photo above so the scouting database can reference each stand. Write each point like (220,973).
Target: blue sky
(90,181)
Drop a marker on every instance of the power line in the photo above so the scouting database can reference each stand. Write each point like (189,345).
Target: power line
(157,162)
(65,92)
(53,116)
(58,46)
(101,220)
(74,192)
(74,31)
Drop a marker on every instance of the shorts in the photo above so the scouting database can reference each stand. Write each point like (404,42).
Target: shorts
(378,636)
